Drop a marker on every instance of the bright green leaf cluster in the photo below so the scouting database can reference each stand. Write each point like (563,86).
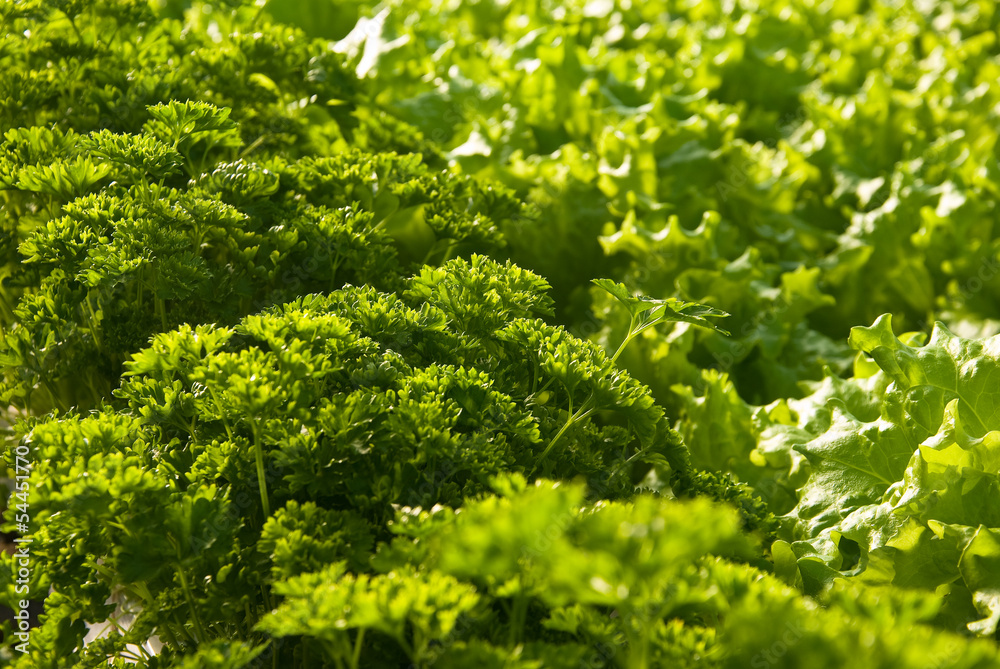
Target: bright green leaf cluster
(274,449)
(311,401)
(131,250)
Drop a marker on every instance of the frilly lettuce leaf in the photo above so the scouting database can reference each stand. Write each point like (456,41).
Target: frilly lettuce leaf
(908,497)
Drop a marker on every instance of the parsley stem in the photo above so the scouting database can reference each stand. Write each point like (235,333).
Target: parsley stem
(261,4)
(162,313)
(92,317)
(6,309)
(73,25)
(183,628)
(336,652)
(358,645)
(266,597)
(222,414)
(518,615)
(582,412)
(628,338)
(50,391)
(248,620)
(199,628)
(261,481)
(253,146)
(204,156)
(169,633)
(407,648)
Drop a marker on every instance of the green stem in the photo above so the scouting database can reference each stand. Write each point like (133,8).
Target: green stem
(430,252)
(519,614)
(190,427)
(447,252)
(632,457)
(248,621)
(581,413)
(133,657)
(162,311)
(183,628)
(261,481)
(92,318)
(544,387)
(158,303)
(6,308)
(407,648)
(199,628)
(204,157)
(47,385)
(121,527)
(334,266)
(218,406)
(332,650)
(253,147)
(628,338)
(111,38)
(358,645)
(266,596)
(72,24)
(169,633)
(147,597)
(442,248)
(260,10)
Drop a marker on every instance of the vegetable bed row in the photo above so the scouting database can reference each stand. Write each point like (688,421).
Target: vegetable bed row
(502,334)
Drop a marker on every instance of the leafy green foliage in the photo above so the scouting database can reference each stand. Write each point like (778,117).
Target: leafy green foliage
(97,65)
(143,253)
(795,164)
(329,605)
(893,490)
(316,404)
(266,452)
(647,582)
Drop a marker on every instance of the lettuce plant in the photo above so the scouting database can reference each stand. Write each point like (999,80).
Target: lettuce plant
(906,479)
(883,478)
